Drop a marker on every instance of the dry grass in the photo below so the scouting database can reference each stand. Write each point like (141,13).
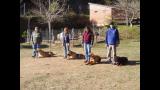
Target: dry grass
(58,74)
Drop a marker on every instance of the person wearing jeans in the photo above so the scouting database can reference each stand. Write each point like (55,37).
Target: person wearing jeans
(87,50)
(36,39)
(112,40)
(35,48)
(87,42)
(66,41)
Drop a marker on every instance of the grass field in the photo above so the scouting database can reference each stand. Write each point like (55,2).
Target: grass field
(55,73)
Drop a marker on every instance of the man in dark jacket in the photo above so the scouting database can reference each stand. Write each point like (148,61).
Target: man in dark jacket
(66,41)
(112,40)
(36,39)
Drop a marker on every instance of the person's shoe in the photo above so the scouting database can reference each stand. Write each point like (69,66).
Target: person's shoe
(87,63)
(64,58)
(33,56)
(108,61)
(114,64)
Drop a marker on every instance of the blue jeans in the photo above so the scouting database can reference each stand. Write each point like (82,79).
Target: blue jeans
(35,47)
(87,50)
(66,49)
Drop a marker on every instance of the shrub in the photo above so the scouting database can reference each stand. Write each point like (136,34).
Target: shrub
(24,34)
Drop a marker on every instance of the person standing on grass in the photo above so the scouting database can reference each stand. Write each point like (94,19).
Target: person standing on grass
(36,39)
(87,42)
(66,41)
(112,41)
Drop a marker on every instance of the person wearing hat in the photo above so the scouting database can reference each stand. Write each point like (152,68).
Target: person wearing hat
(36,39)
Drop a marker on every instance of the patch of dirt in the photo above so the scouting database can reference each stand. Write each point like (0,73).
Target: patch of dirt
(56,73)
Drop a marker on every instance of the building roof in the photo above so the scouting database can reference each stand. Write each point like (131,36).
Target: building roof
(101,5)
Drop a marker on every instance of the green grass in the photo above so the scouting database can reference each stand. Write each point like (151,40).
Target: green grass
(126,32)
(74,75)
(129,48)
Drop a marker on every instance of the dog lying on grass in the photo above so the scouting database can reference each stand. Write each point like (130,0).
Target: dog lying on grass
(94,59)
(121,61)
(74,55)
(42,54)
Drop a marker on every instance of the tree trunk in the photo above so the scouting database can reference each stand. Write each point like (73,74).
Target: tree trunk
(49,26)
(126,12)
(49,3)
(28,31)
(131,25)
(130,21)
(40,7)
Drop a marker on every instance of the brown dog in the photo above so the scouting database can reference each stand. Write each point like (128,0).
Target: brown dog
(74,55)
(121,60)
(42,53)
(95,59)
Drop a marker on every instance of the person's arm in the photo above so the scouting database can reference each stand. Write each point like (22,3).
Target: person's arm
(118,41)
(69,37)
(92,39)
(62,38)
(106,39)
(40,37)
(82,39)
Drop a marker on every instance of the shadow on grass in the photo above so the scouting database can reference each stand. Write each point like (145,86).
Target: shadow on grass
(130,62)
(77,46)
(101,41)
(75,59)
(30,46)
(133,62)
(49,57)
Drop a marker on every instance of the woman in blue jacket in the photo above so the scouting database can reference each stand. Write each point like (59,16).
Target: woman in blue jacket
(112,40)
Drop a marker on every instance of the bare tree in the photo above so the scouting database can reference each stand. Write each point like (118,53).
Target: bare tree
(131,8)
(123,4)
(109,2)
(28,16)
(51,10)
(134,10)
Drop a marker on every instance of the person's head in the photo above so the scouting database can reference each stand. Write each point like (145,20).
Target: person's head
(66,30)
(36,29)
(87,29)
(111,25)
